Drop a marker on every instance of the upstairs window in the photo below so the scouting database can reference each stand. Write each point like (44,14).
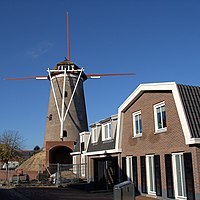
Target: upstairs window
(107,131)
(82,143)
(137,124)
(94,135)
(160,117)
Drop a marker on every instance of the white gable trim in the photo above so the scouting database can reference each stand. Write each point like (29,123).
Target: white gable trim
(156,87)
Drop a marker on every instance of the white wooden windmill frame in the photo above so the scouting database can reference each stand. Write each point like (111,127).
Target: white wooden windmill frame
(63,73)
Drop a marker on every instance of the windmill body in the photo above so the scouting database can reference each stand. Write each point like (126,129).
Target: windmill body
(66,112)
(66,116)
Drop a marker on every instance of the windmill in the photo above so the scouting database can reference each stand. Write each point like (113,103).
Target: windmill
(66,116)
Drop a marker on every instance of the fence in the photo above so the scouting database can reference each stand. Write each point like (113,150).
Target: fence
(54,174)
(65,173)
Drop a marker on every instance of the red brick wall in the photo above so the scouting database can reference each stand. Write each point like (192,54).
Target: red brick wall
(32,174)
(163,143)
(52,144)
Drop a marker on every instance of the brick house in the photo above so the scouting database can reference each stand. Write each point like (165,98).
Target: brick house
(159,134)
(98,150)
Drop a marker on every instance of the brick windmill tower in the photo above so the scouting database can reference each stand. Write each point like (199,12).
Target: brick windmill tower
(66,111)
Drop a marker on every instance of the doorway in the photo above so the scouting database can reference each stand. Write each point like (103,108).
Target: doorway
(61,155)
(105,173)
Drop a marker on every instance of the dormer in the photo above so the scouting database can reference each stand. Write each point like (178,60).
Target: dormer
(95,131)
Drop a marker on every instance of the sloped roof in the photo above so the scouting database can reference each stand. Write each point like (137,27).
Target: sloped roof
(101,145)
(190,96)
(33,162)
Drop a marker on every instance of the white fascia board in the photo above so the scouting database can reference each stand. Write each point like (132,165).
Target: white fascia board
(144,87)
(101,152)
(84,133)
(75,153)
(194,141)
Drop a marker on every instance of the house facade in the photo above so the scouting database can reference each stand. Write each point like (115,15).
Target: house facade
(97,150)
(159,136)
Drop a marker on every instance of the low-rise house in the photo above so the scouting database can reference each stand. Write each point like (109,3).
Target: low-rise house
(98,150)
(159,134)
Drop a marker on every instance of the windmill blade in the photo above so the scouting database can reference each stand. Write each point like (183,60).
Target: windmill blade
(93,76)
(90,76)
(27,78)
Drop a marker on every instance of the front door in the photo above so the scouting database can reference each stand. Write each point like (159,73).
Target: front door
(105,173)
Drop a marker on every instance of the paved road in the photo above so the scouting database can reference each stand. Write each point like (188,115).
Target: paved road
(56,194)
(51,194)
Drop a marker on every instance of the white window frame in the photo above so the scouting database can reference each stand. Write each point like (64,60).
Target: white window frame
(157,129)
(82,139)
(83,163)
(135,134)
(181,176)
(74,164)
(94,134)
(110,134)
(129,168)
(150,179)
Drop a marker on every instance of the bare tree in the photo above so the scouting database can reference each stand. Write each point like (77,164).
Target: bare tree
(10,142)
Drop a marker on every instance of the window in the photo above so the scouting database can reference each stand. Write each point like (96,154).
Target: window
(137,124)
(179,176)
(151,187)
(82,142)
(74,165)
(94,135)
(160,117)
(129,169)
(83,168)
(107,132)
(81,138)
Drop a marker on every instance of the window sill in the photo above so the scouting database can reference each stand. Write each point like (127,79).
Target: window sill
(107,141)
(137,136)
(94,143)
(162,130)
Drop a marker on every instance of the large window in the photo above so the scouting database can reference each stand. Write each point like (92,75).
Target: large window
(129,169)
(137,124)
(151,187)
(160,117)
(179,175)
(94,135)
(107,131)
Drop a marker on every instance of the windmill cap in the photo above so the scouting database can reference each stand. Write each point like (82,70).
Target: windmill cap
(69,65)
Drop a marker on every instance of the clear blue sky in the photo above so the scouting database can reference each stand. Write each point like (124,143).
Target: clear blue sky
(159,40)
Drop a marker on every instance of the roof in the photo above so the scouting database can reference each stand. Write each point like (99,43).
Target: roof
(187,100)
(190,97)
(104,145)
(99,146)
